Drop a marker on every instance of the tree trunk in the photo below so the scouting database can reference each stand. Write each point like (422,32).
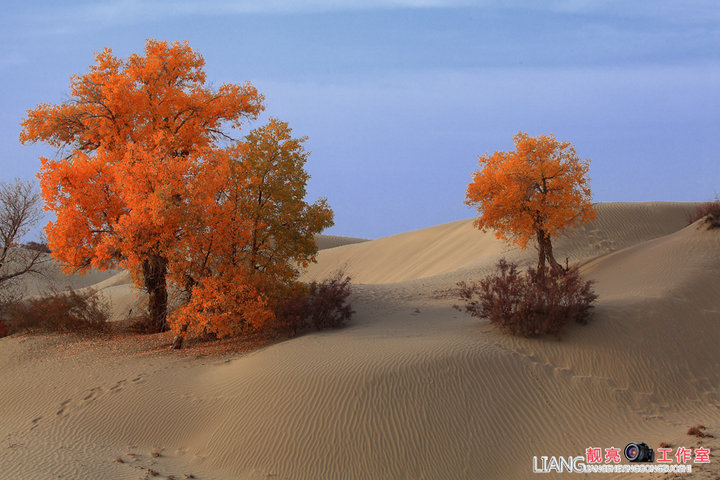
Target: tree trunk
(155,273)
(541,250)
(545,252)
(177,342)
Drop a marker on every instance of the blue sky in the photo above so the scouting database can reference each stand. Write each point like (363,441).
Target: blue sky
(399,97)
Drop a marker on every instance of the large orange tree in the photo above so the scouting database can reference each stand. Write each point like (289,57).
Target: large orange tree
(532,193)
(141,143)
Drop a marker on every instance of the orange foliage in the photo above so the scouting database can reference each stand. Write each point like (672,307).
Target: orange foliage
(143,138)
(148,186)
(269,179)
(242,251)
(534,192)
(225,305)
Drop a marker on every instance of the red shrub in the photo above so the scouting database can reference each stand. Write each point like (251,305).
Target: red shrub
(697,431)
(69,311)
(141,324)
(318,305)
(292,311)
(328,305)
(708,210)
(529,304)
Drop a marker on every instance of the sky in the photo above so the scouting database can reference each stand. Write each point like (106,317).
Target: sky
(399,97)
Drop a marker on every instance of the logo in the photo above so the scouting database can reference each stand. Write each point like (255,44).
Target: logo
(639,452)
(609,460)
(558,464)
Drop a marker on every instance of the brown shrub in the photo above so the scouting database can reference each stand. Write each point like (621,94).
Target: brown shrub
(142,324)
(328,302)
(69,311)
(697,431)
(318,305)
(292,311)
(529,304)
(710,211)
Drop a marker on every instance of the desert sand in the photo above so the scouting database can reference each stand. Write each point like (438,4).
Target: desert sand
(410,389)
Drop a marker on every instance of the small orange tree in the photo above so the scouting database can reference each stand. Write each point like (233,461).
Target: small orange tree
(244,250)
(534,192)
(142,137)
(269,180)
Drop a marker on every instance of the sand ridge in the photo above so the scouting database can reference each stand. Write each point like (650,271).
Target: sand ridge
(458,245)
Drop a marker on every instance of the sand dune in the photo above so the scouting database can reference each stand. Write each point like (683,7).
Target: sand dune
(115,286)
(459,246)
(411,388)
(332,241)
(53,277)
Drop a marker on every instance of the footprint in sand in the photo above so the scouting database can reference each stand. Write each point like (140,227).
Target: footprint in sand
(93,394)
(35,422)
(118,386)
(63,406)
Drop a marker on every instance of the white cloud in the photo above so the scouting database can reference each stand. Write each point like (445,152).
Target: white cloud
(118,10)
(71,17)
